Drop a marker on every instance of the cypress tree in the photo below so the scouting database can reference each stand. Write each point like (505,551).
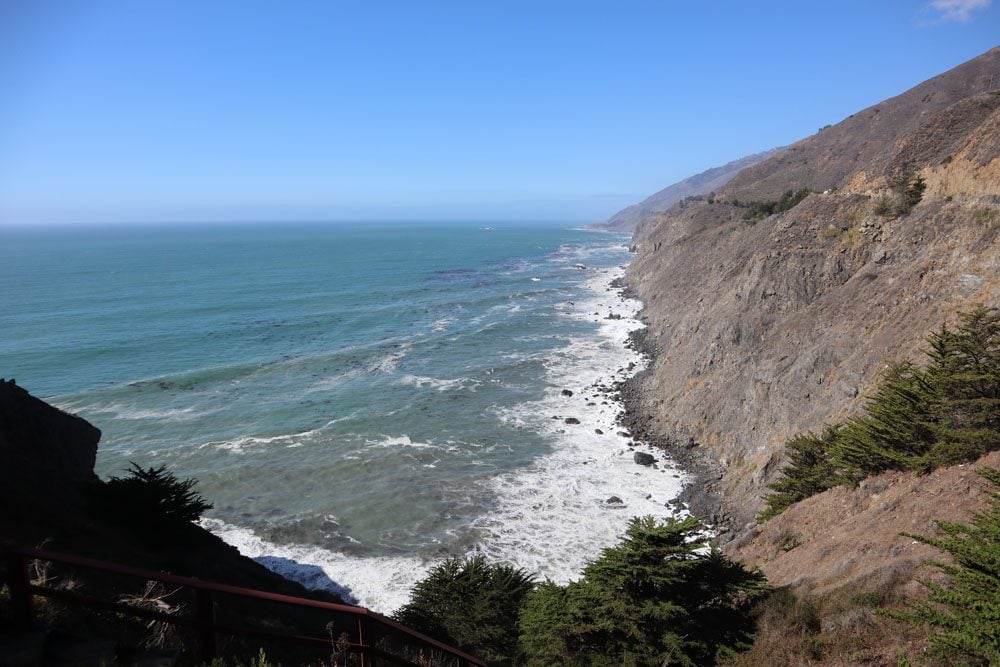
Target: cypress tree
(964,614)
(898,429)
(917,419)
(662,596)
(809,471)
(965,371)
(471,604)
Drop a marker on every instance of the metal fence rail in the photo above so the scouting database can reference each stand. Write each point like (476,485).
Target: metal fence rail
(22,592)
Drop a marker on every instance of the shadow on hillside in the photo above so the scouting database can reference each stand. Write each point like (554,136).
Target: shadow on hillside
(312,577)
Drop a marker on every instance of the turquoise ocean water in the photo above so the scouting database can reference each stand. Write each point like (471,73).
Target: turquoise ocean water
(367,398)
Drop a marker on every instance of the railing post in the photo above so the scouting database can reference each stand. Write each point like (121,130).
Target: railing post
(206,625)
(19,583)
(365,658)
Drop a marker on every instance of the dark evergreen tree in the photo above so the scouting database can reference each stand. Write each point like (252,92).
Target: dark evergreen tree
(470,604)
(964,614)
(898,429)
(809,471)
(918,418)
(149,501)
(663,596)
(965,370)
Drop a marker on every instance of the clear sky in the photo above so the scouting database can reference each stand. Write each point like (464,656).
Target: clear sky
(184,111)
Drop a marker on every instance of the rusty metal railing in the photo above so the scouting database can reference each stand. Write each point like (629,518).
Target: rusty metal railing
(22,592)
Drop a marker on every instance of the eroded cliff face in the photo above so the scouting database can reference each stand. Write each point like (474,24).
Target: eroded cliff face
(776,327)
(46,453)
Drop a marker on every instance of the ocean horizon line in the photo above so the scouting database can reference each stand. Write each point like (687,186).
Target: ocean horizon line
(299,222)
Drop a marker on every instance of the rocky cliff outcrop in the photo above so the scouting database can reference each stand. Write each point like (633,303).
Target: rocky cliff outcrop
(46,453)
(46,479)
(768,327)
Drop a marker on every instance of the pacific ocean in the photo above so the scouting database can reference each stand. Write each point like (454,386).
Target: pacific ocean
(366,398)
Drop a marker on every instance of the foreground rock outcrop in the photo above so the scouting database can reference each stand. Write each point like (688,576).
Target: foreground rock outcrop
(46,471)
(43,448)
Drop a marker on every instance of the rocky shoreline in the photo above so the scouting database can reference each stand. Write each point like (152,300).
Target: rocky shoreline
(702,494)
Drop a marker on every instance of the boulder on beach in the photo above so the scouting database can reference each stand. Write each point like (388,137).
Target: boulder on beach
(643,458)
(614,500)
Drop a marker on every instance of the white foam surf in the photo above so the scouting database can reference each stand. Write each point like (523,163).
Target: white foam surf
(401,441)
(439,384)
(291,440)
(550,518)
(381,583)
(556,516)
(126,412)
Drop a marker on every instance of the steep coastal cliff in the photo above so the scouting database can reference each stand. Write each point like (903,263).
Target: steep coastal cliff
(774,307)
(766,326)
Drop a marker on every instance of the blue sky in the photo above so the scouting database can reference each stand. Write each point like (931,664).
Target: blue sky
(186,111)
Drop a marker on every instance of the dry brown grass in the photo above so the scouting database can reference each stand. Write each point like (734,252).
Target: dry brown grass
(834,631)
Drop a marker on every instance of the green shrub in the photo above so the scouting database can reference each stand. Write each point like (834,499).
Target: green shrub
(470,604)
(757,210)
(907,191)
(964,614)
(910,195)
(660,597)
(830,232)
(985,216)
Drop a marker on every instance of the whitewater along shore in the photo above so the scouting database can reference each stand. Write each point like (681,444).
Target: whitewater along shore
(701,494)
(551,516)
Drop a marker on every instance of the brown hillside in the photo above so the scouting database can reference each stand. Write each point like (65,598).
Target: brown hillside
(841,554)
(915,129)
(769,328)
(631,217)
